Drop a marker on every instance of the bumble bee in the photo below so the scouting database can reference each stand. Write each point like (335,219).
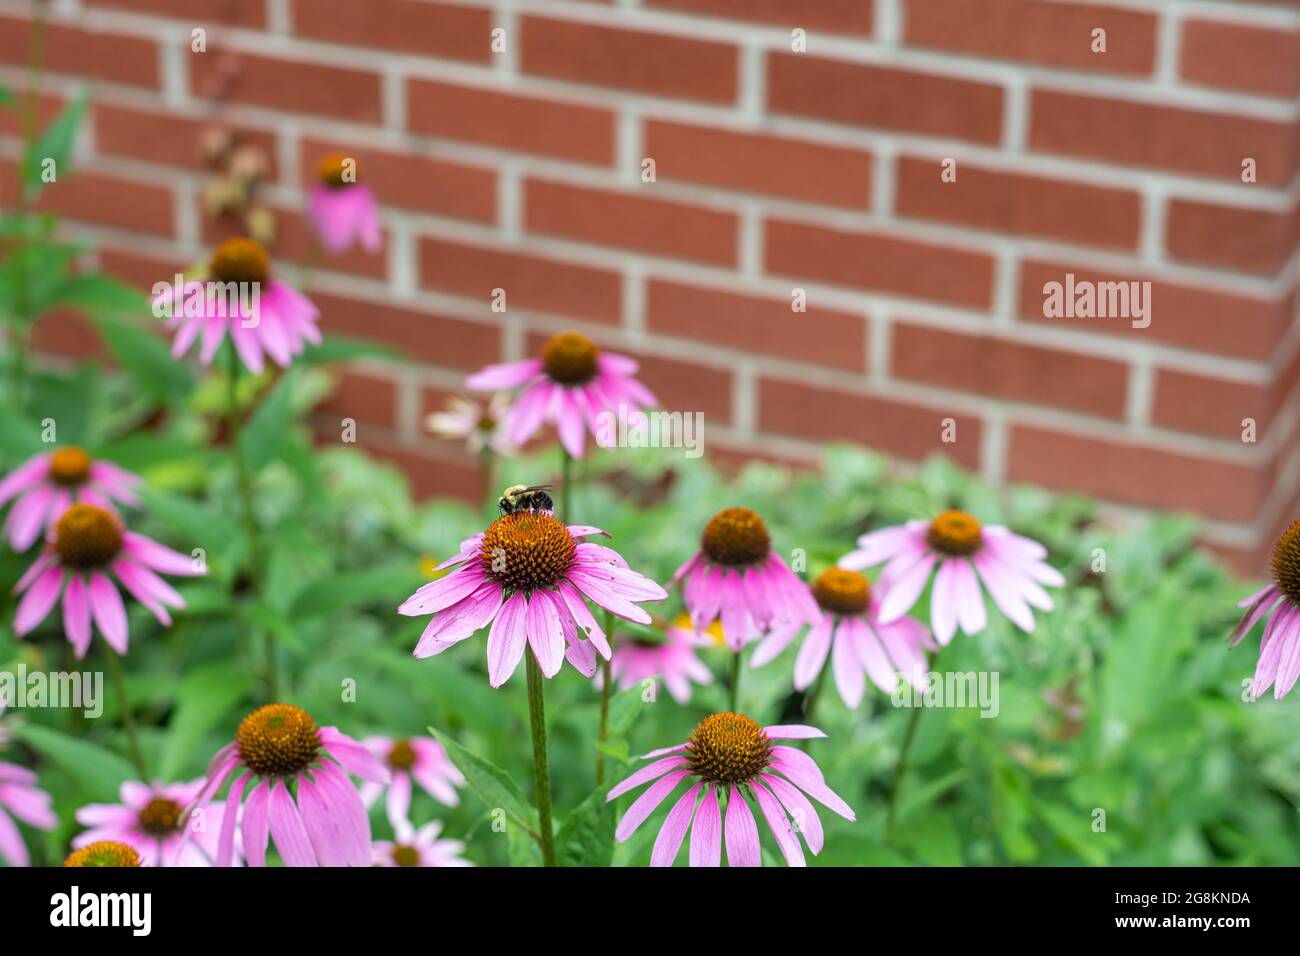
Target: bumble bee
(525,498)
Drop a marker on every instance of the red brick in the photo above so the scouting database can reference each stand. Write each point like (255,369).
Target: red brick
(999,367)
(688,387)
(654,63)
(837,16)
(103,200)
(1135,473)
(1210,406)
(293,86)
(244,13)
(1018,203)
(757,162)
(295,243)
(363,397)
(524,124)
(531,282)
(901,428)
(1253,240)
(753,324)
(47,108)
(170,139)
(1190,317)
(1036,31)
(629,221)
(407,26)
(422,183)
(71,335)
(1166,137)
(419,335)
(429,476)
(679,385)
(141,271)
(878,261)
(103,55)
(1239,57)
(884,97)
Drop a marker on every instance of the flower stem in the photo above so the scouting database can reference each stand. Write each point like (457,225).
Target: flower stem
(900,768)
(245,481)
(487,489)
(128,720)
(815,693)
(606,688)
(735,682)
(566,476)
(541,776)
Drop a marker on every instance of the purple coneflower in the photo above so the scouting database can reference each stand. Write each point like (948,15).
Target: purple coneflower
(567,387)
(738,578)
(851,633)
(730,754)
(1010,566)
(104,853)
(421,759)
(530,575)
(152,819)
(673,660)
(325,823)
(1279,603)
(45,485)
(478,426)
(20,797)
(412,847)
(87,542)
(342,210)
(283,321)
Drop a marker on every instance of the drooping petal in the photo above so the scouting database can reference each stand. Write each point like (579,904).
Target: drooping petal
(645,775)
(706,833)
(39,599)
(776,819)
(287,829)
(645,804)
(506,640)
(671,834)
(743,848)
(108,611)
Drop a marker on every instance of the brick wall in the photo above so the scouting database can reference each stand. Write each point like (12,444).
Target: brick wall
(775,170)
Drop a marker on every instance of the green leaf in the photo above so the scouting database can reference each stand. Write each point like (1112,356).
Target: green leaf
(340,348)
(146,359)
(7,97)
(389,584)
(265,434)
(1074,829)
(587,836)
(55,143)
(101,772)
(490,782)
(204,696)
(101,294)
(624,708)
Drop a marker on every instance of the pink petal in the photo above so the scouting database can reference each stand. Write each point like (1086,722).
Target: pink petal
(741,833)
(706,834)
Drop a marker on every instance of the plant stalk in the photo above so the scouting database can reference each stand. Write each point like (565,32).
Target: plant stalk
(245,482)
(124,704)
(541,775)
